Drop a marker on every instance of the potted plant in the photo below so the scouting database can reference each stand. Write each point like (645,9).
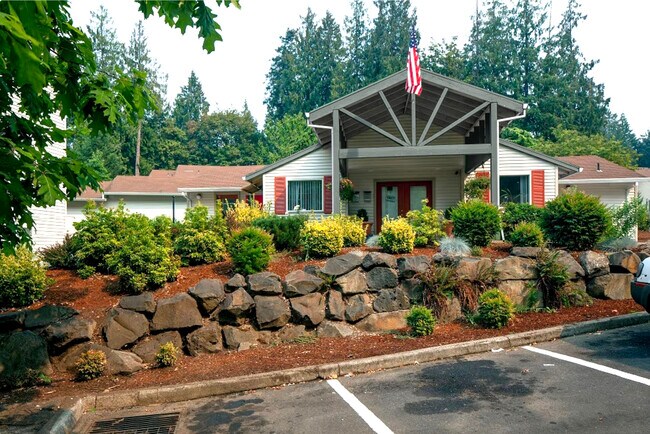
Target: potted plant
(363,215)
(346,189)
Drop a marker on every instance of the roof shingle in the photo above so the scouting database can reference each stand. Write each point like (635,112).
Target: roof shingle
(595,167)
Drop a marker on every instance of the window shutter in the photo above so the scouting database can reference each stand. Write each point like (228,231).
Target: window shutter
(537,183)
(280,195)
(327,194)
(484,174)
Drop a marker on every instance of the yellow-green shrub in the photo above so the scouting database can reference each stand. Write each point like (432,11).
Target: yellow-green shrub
(397,235)
(22,278)
(321,238)
(354,234)
(427,224)
(242,213)
(167,354)
(90,364)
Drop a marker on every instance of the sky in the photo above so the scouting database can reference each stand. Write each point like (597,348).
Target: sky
(235,72)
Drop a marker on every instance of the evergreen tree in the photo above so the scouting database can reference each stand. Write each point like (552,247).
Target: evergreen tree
(447,58)
(190,103)
(528,19)
(109,51)
(644,150)
(288,135)
(283,90)
(350,74)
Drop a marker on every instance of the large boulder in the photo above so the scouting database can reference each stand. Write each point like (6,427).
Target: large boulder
(21,351)
(381,277)
(205,340)
(383,322)
(335,308)
(471,268)
(235,282)
(208,293)
(595,264)
(147,348)
(299,283)
(379,259)
(46,315)
(123,327)
(409,266)
(358,307)
(515,268)
(623,262)
(68,332)
(12,320)
(414,289)
(353,283)
(518,290)
(526,252)
(343,264)
(235,308)
(451,312)
(615,286)
(143,303)
(291,332)
(240,338)
(390,300)
(178,312)
(312,269)
(265,283)
(271,312)
(308,309)
(335,329)
(117,362)
(573,268)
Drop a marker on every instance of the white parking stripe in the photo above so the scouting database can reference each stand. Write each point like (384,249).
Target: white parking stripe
(591,365)
(368,416)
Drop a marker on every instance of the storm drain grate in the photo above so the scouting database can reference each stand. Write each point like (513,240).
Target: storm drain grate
(146,424)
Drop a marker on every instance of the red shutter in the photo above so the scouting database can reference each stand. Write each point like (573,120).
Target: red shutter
(280,195)
(537,182)
(484,174)
(327,194)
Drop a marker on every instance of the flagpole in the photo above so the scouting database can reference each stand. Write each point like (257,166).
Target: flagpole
(413,121)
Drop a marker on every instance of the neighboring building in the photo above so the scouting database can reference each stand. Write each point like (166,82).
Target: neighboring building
(399,149)
(169,192)
(644,186)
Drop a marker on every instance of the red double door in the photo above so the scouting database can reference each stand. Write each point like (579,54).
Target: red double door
(395,199)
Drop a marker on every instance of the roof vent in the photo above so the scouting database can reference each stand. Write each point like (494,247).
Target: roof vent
(598,169)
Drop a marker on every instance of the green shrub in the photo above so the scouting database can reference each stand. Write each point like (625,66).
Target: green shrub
(427,224)
(574,220)
(142,260)
(421,321)
(475,188)
(454,246)
(321,238)
(250,250)
(96,236)
(552,277)
(60,255)
(285,230)
(22,278)
(243,213)
(354,235)
(25,378)
(200,239)
(397,235)
(90,364)
(86,271)
(476,221)
(515,213)
(476,251)
(167,355)
(494,309)
(527,235)
(626,218)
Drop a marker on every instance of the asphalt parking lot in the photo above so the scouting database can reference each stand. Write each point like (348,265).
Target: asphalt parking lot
(590,383)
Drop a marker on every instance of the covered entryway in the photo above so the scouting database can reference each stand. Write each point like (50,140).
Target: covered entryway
(396,198)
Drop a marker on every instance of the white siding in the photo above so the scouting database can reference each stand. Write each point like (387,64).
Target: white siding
(154,206)
(512,162)
(314,165)
(609,194)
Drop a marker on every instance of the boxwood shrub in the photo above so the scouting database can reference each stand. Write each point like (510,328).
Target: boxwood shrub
(494,309)
(515,213)
(527,234)
(476,221)
(321,238)
(250,250)
(427,224)
(285,230)
(396,236)
(200,238)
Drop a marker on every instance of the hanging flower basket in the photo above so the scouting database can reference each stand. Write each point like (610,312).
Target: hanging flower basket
(346,189)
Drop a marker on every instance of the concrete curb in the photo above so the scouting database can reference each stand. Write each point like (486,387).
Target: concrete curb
(65,421)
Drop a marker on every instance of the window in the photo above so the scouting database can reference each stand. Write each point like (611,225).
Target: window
(307,194)
(515,189)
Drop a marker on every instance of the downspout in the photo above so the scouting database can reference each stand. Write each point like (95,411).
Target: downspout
(187,198)
(174,209)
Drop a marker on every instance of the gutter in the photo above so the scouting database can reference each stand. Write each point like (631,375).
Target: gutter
(569,181)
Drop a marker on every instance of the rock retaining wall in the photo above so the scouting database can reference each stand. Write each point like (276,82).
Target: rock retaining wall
(351,294)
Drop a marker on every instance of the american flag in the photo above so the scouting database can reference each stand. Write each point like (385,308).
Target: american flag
(413,77)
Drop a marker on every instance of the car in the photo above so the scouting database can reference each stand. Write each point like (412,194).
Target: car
(640,285)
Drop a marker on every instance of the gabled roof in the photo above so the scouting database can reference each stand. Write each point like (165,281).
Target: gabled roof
(558,161)
(598,169)
(367,102)
(282,162)
(644,171)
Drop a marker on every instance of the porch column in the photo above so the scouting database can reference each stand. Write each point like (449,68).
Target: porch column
(336,174)
(494,158)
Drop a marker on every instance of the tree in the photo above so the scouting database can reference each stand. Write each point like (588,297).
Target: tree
(350,74)
(190,103)
(288,136)
(527,23)
(47,69)
(644,150)
(447,58)
(109,51)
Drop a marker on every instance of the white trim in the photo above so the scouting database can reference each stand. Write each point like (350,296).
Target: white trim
(141,193)
(208,189)
(306,178)
(569,181)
